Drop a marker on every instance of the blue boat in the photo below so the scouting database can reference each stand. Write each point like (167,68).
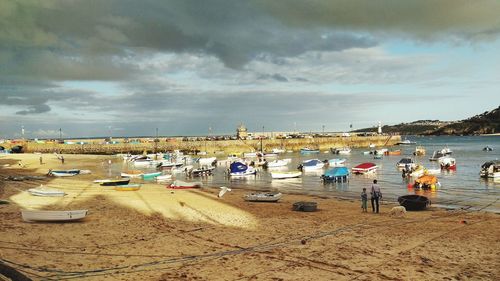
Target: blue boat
(337,174)
(307,150)
(240,169)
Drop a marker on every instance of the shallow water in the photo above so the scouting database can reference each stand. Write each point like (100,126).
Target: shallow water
(460,188)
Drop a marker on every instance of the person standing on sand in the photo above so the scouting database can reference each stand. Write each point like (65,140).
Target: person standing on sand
(364,200)
(376,195)
(62,159)
(41,160)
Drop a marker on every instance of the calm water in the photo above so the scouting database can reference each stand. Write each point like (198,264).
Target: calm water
(462,187)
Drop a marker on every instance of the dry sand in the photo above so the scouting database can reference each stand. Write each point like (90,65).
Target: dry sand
(162,234)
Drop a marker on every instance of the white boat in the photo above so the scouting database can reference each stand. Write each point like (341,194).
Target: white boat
(312,165)
(164,177)
(490,169)
(42,191)
(405,163)
(263,197)
(432,171)
(270,155)
(278,150)
(63,173)
(146,163)
(238,169)
(132,174)
(381,151)
(336,162)
(278,163)
(285,175)
(207,161)
(448,163)
(419,171)
(33,215)
(182,169)
(250,154)
(446,151)
(171,164)
(178,184)
(371,145)
(342,150)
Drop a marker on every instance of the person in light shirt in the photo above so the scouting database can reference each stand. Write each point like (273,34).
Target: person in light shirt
(376,195)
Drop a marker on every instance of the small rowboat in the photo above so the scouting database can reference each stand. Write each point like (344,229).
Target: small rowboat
(128,187)
(41,191)
(177,184)
(278,163)
(63,173)
(285,175)
(364,168)
(307,150)
(132,174)
(447,163)
(263,197)
(206,171)
(164,177)
(414,202)
(54,216)
(150,176)
(312,165)
(113,182)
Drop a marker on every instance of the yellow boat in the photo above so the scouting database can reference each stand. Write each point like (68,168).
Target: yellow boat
(129,187)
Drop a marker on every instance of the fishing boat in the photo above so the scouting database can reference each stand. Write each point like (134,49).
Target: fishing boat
(128,187)
(210,161)
(446,151)
(150,176)
(490,169)
(285,175)
(164,177)
(63,173)
(436,155)
(393,153)
(419,151)
(203,171)
(53,216)
(238,169)
(42,191)
(263,197)
(144,163)
(406,163)
(487,148)
(365,168)
(277,163)
(336,162)
(406,142)
(426,182)
(307,150)
(132,174)
(337,174)
(414,202)
(113,182)
(342,150)
(178,184)
(311,165)
(447,163)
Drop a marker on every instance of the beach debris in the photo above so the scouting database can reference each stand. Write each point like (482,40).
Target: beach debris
(223,190)
(305,206)
(22,178)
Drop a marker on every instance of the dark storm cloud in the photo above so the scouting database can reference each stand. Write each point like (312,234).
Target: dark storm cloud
(35,109)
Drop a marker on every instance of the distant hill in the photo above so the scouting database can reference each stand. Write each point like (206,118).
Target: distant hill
(485,123)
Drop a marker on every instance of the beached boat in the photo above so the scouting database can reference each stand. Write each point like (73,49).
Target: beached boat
(406,163)
(365,168)
(150,176)
(178,184)
(285,175)
(337,174)
(164,177)
(113,182)
(311,165)
(426,182)
(490,169)
(419,151)
(263,197)
(53,216)
(342,150)
(238,169)
(336,162)
(414,202)
(277,163)
(132,174)
(307,150)
(42,191)
(63,173)
(447,163)
(128,187)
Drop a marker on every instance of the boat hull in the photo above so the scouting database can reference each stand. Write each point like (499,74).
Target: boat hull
(53,216)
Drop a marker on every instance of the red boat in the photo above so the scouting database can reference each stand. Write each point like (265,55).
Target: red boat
(364,168)
(447,163)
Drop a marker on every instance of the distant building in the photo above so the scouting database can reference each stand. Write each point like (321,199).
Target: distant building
(241,132)
(379,127)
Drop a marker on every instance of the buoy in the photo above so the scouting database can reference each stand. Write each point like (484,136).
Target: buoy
(410,186)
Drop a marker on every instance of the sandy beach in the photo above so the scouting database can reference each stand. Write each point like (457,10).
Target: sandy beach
(162,234)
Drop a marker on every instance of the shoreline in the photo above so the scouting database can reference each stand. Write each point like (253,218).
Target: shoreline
(162,234)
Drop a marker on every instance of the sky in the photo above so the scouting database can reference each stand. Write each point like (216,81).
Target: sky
(185,67)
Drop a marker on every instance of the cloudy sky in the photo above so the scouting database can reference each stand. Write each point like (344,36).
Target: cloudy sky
(126,67)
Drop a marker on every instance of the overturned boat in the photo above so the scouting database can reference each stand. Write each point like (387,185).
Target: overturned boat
(53,216)
(414,202)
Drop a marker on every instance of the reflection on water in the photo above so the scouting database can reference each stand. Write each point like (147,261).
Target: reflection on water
(462,187)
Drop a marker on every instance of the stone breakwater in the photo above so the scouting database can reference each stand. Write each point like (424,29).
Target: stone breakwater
(211,147)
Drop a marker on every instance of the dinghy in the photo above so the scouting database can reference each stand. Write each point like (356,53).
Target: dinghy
(150,176)
(178,184)
(365,168)
(307,150)
(414,202)
(53,216)
(63,173)
(163,178)
(42,191)
(113,182)
(132,174)
(342,150)
(277,163)
(263,197)
(128,187)
(285,175)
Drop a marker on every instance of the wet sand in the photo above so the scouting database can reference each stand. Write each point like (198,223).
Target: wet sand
(161,234)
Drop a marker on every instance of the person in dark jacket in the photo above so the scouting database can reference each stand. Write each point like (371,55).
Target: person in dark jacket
(376,195)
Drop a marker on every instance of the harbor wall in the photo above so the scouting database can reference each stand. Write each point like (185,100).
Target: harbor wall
(213,147)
